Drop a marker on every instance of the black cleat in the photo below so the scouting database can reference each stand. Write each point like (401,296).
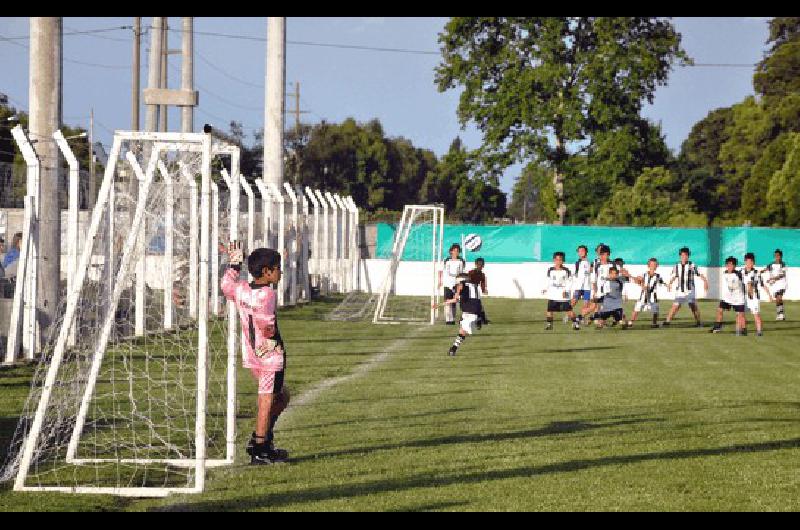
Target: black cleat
(715,330)
(264,455)
(548,326)
(450,323)
(666,323)
(478,324)
(698,325)
(452,351)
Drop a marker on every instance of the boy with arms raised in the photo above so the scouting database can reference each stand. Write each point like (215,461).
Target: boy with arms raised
(264,352)
(733,297)
(557,291)
(684,273)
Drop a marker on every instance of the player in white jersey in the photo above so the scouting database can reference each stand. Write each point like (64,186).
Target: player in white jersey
(600,274)
(582,282)
(558,292)
(776,282)
(733,297)
(684,273)
(752,282)
(612,288)
(648,299)
(448,278)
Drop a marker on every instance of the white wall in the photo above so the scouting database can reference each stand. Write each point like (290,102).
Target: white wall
(526,280)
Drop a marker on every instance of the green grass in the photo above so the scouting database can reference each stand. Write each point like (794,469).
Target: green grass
(522,419)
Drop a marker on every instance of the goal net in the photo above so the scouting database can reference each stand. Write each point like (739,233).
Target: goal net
(409,290)
(135,394)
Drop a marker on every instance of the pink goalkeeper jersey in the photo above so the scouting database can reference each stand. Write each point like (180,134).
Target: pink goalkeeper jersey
(256,309)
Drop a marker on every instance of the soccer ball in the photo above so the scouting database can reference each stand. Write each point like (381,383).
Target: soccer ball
(473,242)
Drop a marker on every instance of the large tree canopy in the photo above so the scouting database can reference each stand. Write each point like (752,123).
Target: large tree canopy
(543,87)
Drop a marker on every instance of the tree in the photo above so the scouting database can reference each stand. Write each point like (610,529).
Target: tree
(539,87)
(533,197)
(655,199)
(783,194)
(777,74)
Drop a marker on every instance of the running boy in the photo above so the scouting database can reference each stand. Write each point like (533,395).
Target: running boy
(480,279)
(582,282)
(612,299)
(685,273)
(752,279)
(466,292)
(558,297)
(776,284)
(264,353)
(648,299)
(733,297)
(451,268)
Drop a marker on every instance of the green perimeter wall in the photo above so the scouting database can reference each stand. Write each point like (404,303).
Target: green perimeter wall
(524,243)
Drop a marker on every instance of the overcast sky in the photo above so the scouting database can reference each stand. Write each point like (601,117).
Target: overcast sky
(341,82)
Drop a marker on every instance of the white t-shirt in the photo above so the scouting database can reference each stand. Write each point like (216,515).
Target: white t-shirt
(558,281)
(733,290)
(451,269)
(776,276)
(582,280)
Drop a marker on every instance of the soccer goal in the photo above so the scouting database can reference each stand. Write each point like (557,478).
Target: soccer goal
(416,253)
(136,396)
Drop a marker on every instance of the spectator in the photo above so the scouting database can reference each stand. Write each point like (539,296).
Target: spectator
(12,255)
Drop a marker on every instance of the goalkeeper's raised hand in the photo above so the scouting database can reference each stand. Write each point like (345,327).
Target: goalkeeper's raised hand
(235,254)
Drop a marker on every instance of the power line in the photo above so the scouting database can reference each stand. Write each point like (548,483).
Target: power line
(226,74)
(68,60)
(76,32)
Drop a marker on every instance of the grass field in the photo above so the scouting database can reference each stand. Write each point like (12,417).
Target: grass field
(522,419)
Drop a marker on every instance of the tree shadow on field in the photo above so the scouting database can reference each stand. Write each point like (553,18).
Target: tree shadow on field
(556,427)
(379,419)
(431,480)
(573,350)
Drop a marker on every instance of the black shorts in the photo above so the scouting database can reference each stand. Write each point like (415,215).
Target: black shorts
(555,306)
(780,293)
(449,294)
(598,300)
(616,314)
(725,306)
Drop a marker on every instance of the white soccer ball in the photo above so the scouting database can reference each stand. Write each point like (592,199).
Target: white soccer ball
(473,242)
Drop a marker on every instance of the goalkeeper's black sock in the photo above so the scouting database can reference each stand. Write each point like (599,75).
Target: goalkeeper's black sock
(459,341)
(271,430)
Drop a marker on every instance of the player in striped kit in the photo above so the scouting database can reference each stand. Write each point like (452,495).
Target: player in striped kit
(600,275)
(582,282)
(467,293)
(733,297)
(684,273)
(752,280)
(648,299)
(776,282)
(557,291)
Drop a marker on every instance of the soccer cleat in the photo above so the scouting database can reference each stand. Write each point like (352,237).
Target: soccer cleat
(715,330)
(452,351)
(759,333)
(450,323)
(278,455)
(665,324)
(548,326)
(478,324)
(654,326)
(698,325)
(781,317)
(262,454)
(576,326)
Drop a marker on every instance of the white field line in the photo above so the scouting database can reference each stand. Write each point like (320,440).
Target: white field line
(310,395)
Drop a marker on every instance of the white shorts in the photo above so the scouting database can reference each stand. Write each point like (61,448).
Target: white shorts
(468,321)
(644,306)
(681,299)
(753,305)
(780,285)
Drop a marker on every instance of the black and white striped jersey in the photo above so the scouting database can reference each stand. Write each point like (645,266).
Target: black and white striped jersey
(558,281)
(733,289)
(582,280)
(752,277)
(650,283)
(470,298)
(684,275)
(776,275)
(601,276)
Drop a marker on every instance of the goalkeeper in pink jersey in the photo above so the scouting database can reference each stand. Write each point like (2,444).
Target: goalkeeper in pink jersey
(263,351)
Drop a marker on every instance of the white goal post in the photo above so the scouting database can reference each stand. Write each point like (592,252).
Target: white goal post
(424,226)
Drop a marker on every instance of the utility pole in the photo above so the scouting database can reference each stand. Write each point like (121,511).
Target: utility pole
(274,107)
(187,72)
(153,74)
(297,108)
(164,59)
(44,95)
(92,184)
(135,74)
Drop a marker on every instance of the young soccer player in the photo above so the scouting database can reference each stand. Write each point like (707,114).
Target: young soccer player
(582,282)
(776,284)
(558,296)
(451,268)
(685,273)
(466,293)
(480,279)
(648,299)
(612,299)
(733,297)
(599,278)
(264,352)
(752,280)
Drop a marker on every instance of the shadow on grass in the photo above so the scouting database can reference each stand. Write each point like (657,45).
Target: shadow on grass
(381,419)
(430,480)
(556,427)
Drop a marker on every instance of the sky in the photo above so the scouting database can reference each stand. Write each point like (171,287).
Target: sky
(340,82)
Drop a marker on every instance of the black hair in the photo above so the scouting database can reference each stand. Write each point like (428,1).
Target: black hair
(262,258)
(557,254)
(481,261)
(454,246)
(612,268)
(731,259)
(652,259)
(583,247)
(750,255)
(778,251)
(619,261)
(605,249)
(685,250)
(599,246)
